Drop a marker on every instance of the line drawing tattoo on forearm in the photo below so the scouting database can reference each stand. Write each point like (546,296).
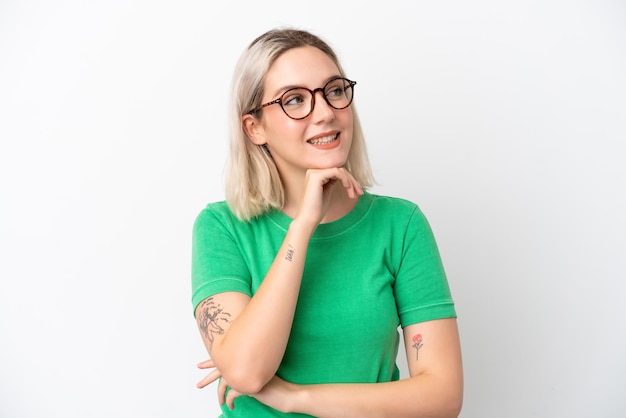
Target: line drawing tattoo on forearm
(211,319)
(417,344)
(290,251)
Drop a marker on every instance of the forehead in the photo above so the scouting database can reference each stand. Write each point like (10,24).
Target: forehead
(305,66)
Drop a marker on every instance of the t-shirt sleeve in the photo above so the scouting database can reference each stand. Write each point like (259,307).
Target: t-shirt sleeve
(217,264)
(421,288)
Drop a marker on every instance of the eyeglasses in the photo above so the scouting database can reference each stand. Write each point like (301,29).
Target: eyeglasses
(298,102)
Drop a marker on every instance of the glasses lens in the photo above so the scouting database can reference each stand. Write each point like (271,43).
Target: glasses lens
(296,103)
(338,93)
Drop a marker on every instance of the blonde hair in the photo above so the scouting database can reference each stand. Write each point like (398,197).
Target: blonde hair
(253,184)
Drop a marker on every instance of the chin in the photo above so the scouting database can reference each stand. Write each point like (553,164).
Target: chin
(330,163)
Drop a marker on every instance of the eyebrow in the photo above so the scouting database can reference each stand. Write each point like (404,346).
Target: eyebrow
(283,89)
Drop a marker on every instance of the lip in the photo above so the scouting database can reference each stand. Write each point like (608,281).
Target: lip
(322,135)
(328,145)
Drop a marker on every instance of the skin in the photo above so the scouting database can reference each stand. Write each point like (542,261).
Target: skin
(303,167)
(318,189)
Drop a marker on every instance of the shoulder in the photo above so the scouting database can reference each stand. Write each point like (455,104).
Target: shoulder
(398,213)
(215,210)
(215,215)
(394,206)
(219,216)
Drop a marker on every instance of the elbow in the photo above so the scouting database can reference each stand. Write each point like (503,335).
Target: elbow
(450,409)
(246,386)
(454,405)
(246,380)
(455,408)
(241,371)
(449,402)
(454,398)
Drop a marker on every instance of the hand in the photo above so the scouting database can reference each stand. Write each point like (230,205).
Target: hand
(319,186)
(275,394)
(278,394)
(229,398)
(223,385)
(211,377)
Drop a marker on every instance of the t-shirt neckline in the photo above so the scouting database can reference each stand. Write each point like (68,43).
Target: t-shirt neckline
(333,228)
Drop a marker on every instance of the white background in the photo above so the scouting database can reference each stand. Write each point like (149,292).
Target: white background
(504,121)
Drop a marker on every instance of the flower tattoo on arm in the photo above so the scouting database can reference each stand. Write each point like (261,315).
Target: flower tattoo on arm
(417,344)
(211,319)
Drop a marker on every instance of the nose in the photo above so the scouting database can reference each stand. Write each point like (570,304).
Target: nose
(321,109)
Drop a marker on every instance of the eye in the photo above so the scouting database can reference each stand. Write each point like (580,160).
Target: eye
(293,98)
(335,89)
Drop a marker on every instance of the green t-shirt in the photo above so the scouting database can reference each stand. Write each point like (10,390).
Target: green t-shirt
(365,274)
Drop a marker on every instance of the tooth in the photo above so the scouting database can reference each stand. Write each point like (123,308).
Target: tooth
(324,140)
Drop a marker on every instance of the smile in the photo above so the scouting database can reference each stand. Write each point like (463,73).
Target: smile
(323,140)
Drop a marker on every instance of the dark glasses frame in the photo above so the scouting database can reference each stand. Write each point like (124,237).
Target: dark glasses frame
(350,85)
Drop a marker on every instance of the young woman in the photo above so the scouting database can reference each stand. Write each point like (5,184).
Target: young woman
(301,278)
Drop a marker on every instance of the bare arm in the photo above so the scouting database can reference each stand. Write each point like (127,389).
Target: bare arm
(434,388)
(246,337)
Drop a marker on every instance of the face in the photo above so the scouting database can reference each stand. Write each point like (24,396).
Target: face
(322,139)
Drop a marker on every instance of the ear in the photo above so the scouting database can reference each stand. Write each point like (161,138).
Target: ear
(254,129)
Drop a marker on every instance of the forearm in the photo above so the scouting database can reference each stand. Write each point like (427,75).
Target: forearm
(419,396)
(254,345)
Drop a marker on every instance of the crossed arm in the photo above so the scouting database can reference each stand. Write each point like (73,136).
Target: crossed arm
(229,321)
(434,388)
(246,352)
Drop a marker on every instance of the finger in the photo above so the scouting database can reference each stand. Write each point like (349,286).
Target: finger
(324,177)
(206,364)
(357,187)
(349,182)
(352,186)
(355,184)
(230,399)
(208,379)
(346,180)
(221,391)
(351,194)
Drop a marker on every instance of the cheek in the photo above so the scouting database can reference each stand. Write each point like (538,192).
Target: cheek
(283,127)
(348,119)
(349,124)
